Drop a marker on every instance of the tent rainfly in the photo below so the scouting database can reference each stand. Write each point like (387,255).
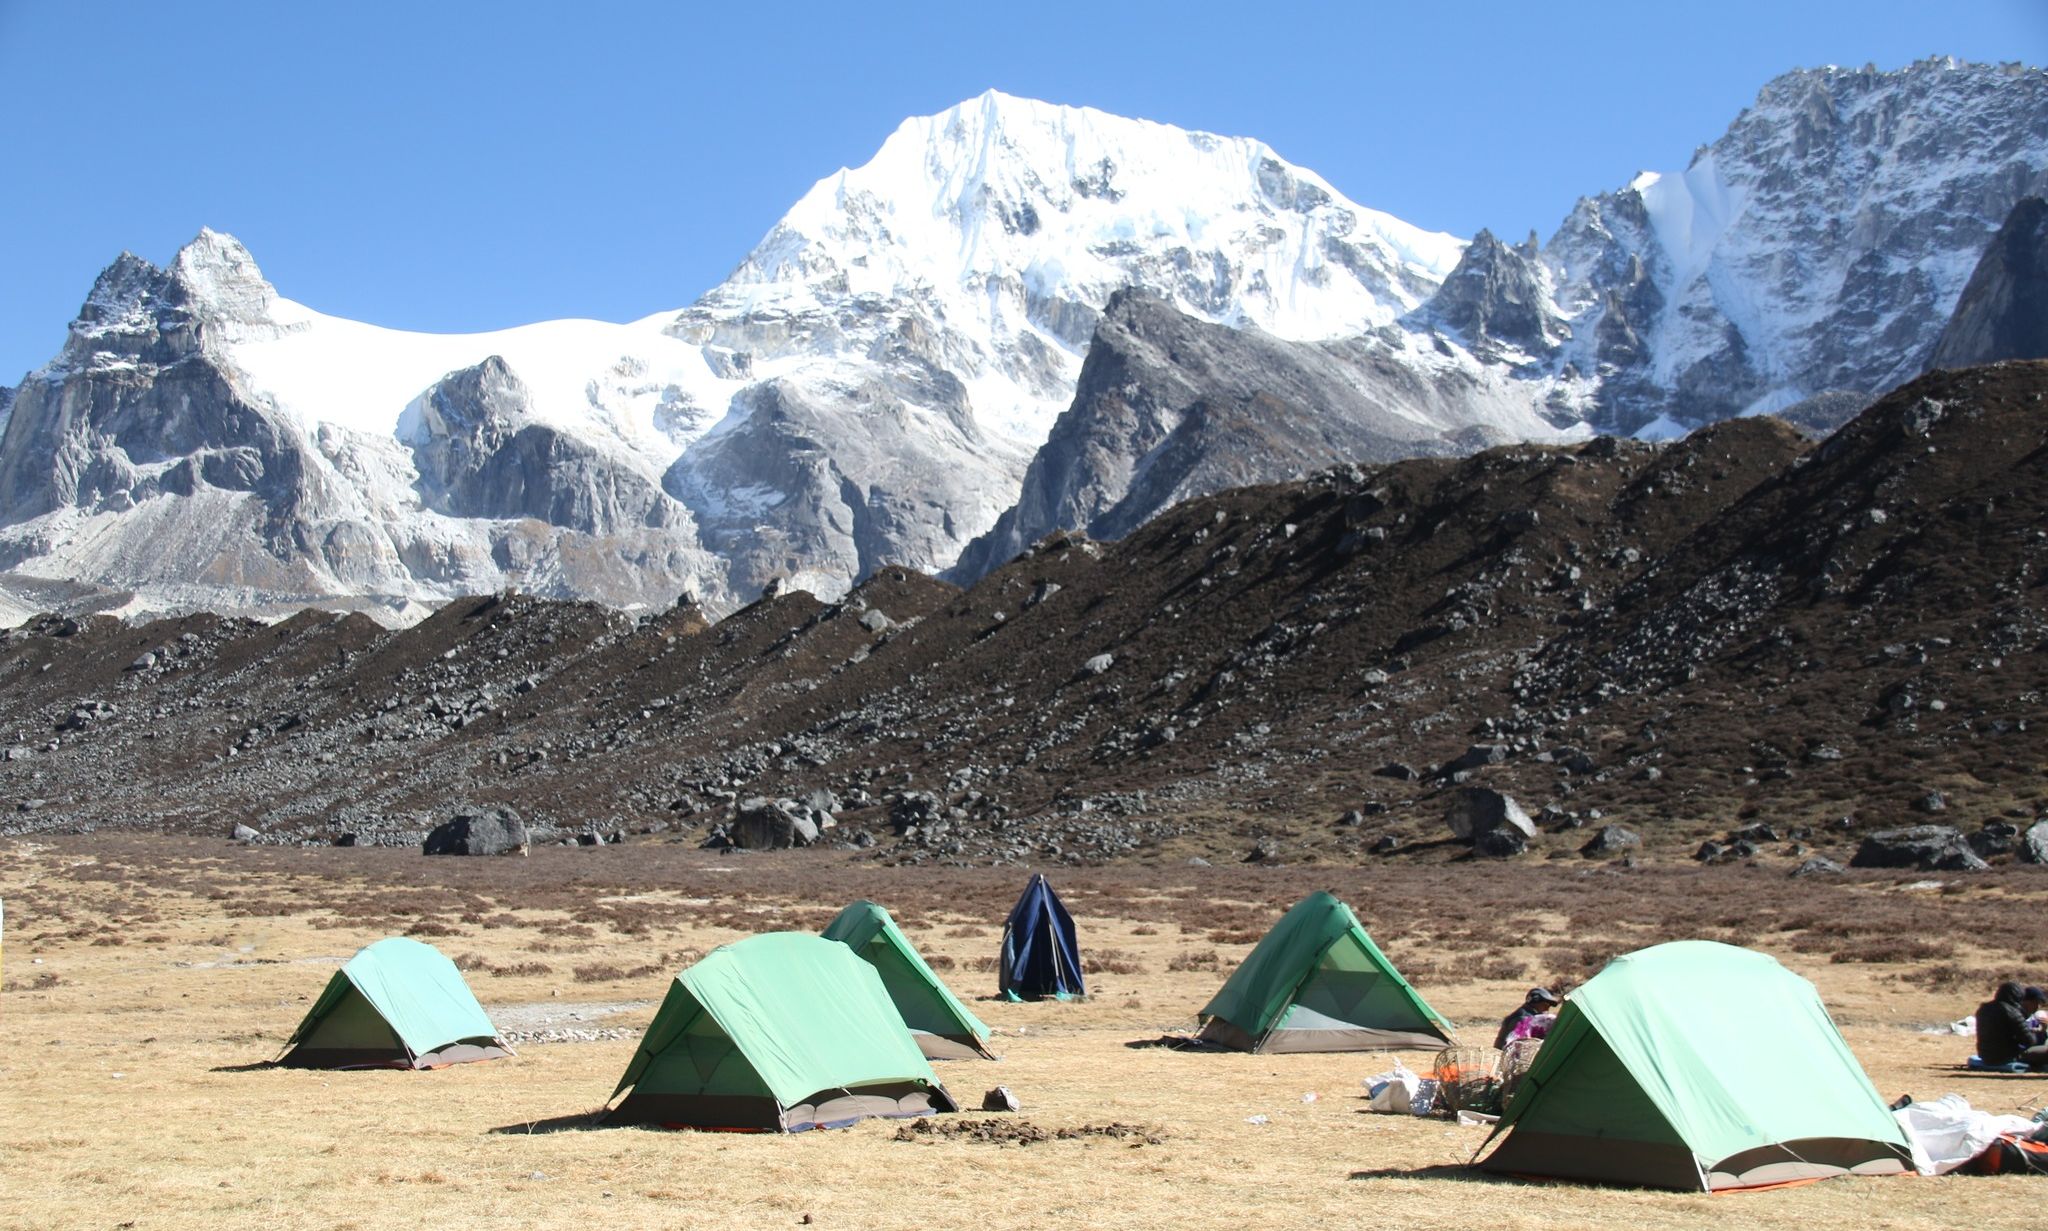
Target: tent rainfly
(1697,1066)
(942,1026)
(1317,982)
(777,1033)
(397,1004)
(1041,957)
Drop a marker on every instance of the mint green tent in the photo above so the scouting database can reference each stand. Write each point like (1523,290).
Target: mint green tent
(1316,982)
(777,1033)
(942,1026)
(1701,1066)
(397,1004)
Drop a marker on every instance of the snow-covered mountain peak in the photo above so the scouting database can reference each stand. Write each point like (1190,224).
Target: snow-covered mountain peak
(218,274)
(1071,203)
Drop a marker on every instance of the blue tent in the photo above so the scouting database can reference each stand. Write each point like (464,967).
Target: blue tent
(1040,955)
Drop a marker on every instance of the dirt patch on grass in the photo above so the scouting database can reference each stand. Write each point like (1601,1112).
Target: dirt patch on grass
(1025,1133)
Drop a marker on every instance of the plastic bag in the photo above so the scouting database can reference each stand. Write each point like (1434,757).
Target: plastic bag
(1393,1091)
(1948,1132)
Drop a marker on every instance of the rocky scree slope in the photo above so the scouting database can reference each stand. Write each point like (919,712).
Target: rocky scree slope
(1741,628)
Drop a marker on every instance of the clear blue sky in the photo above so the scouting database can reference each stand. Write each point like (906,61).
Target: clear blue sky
(458,166)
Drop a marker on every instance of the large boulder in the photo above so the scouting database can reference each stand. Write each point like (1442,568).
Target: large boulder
(1996,838)
(2034,843)
(1611,840)
(1475,811)
(1500,842)
(763,824)
(823,807)
(479,831)
(1478,756)
(1930,848)
(913,809)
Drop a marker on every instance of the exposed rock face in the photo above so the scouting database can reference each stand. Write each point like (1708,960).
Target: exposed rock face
(1498,300)
(86,430)
(2003,312)
(866,388)
(1169,407)
(480,454)
(1700,295)
(807,488)
(494,831)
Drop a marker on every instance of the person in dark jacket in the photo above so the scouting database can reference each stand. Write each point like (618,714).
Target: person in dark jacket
(1539,1000)
(2005,1031)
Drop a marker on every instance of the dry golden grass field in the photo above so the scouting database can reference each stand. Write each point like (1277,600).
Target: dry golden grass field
(146,977)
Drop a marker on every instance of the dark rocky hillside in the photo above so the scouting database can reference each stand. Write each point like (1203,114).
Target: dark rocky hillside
(1742,629)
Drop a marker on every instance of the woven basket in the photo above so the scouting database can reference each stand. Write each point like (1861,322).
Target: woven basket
(1468,1079)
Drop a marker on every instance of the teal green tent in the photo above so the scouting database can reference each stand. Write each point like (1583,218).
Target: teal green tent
(1316,982)
(942,1026)
(1698,1066)
(777,1033)
(396,1004)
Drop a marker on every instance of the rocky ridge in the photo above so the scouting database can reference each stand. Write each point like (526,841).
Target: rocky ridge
(1168,407)
(1742,644)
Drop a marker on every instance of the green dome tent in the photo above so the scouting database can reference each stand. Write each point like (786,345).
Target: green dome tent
(397,1004)
(1316,982)
(942,1026)
(1699,1066)
(777,1033)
